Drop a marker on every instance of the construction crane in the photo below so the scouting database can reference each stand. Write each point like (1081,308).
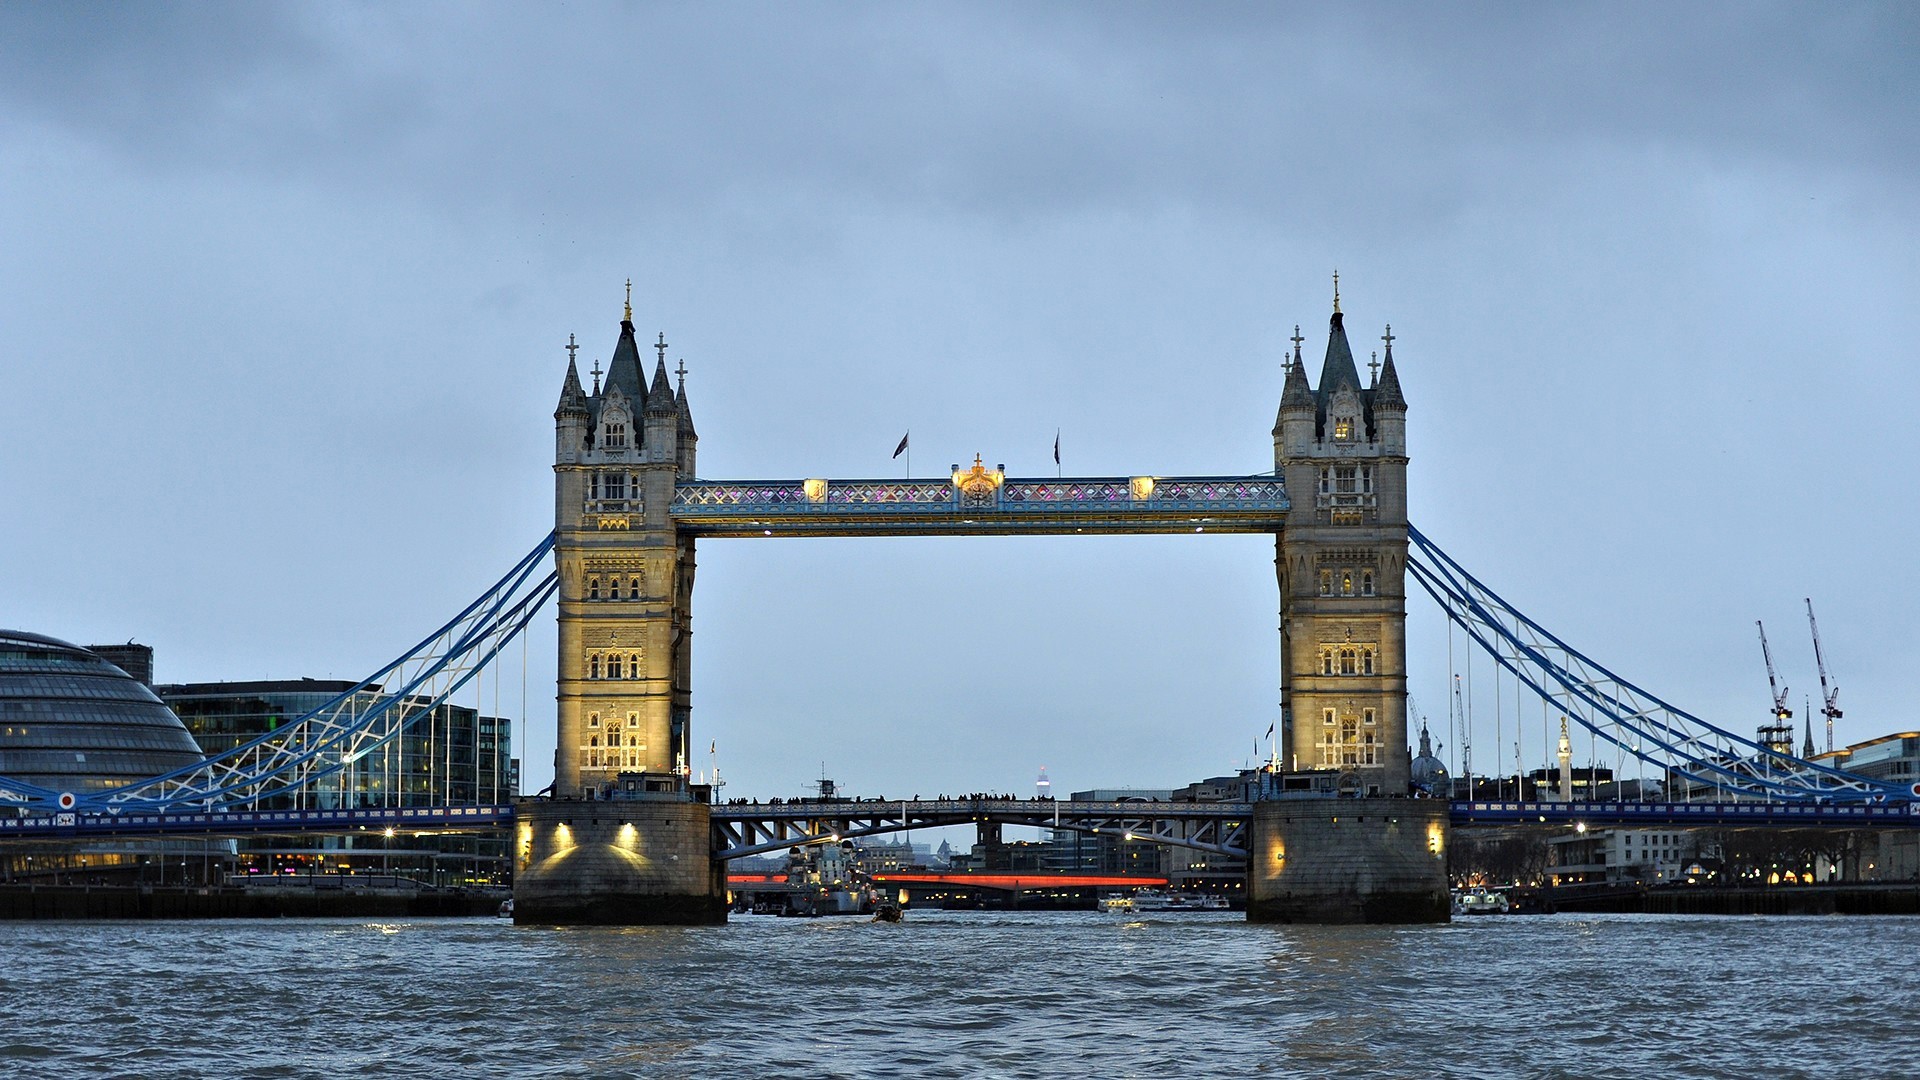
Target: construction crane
(1830,695)
(1778,735)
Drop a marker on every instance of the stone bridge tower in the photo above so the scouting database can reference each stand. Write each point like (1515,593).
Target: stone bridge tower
(626,576)
(1342,447)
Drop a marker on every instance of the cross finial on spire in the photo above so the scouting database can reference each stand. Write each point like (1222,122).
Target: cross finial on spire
(1336,292)
(1373,367)
(571,349)
(629,300)
(596,376)
(1388,338)
(661,346)
(682,372)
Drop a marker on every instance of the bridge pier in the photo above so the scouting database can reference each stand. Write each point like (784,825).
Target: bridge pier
(1348,861)
(623,862)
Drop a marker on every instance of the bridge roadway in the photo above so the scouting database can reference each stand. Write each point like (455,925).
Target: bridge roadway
(1751,815)
(753,828)
(979,502)
(744,829)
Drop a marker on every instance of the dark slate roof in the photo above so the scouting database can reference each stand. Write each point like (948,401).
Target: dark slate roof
(1336,371)
(624,371)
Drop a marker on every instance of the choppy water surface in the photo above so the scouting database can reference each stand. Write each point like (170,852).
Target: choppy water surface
(965,994)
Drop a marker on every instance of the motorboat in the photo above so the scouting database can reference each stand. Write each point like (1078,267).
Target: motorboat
(1162,900)
(1479,900)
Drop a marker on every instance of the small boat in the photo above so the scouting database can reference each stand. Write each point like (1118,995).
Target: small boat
(1479,900)
(1160,900)
(1121,904)
(506,908)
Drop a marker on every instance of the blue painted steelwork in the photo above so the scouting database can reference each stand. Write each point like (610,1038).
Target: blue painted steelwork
(336,735)
(234,822)
(744,829)
(1692,753)
(980,503)
(1798,815)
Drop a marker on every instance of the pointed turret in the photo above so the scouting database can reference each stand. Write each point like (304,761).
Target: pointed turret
(573,400)
(686,410)
(660,395)
(1808,751)
(688,437)
(1386,389)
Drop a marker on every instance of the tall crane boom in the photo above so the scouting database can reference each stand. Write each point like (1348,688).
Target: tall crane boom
(1777,734)
(1829,695)
(1780,710)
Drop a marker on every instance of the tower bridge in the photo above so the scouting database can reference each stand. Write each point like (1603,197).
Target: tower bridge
(624,836)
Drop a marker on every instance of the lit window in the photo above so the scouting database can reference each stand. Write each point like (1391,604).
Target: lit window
(1346,583)
(1343,427)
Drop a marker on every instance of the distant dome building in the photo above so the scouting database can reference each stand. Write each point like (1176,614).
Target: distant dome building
(1429,773)
(71,721)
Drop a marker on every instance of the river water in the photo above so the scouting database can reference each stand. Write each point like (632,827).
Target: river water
(965,994)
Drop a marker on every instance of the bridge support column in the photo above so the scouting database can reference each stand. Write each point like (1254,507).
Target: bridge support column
(1348,861)
(623,862)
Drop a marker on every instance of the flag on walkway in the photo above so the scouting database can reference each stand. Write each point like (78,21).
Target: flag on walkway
(902,448)
(1056,446)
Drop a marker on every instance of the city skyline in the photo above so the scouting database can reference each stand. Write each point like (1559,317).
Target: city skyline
(287,294)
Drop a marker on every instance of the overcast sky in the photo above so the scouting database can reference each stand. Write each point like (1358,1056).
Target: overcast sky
(284,292)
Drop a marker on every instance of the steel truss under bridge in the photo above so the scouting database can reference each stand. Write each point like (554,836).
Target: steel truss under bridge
(1713,763)
(744,829)
(339,734)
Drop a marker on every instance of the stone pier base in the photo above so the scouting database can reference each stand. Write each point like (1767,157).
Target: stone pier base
(624,862)
(1348,861)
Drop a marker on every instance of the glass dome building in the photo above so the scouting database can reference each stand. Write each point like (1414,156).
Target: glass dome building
(71,721)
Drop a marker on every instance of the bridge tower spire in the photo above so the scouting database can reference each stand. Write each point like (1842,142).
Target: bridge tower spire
(1341,558)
